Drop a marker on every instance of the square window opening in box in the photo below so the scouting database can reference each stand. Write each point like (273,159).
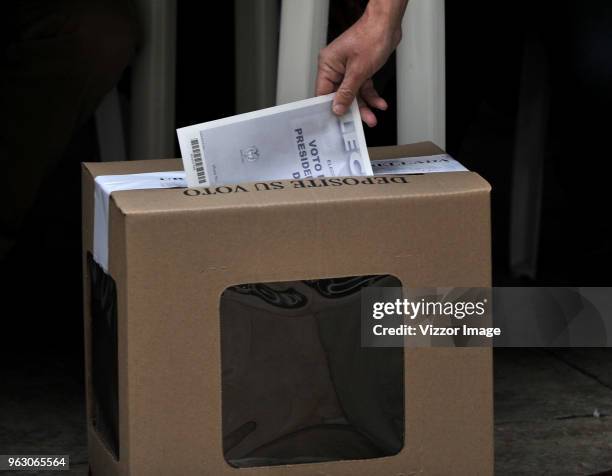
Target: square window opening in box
(297,385)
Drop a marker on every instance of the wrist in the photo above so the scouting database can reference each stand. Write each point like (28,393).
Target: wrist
(386,14)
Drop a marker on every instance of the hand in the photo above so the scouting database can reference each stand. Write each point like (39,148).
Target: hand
(348,63)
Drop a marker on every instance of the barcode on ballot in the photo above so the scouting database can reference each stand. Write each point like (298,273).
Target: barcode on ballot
(198,162)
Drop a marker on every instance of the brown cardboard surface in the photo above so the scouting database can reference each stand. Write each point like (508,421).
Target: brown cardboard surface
(172,253)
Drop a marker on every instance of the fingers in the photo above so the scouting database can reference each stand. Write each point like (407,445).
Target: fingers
(324,85)
(367,115)
(328,76)
(353,83)
(327,80)
(348,89)
(371,96)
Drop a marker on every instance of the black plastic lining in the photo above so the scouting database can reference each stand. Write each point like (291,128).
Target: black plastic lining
(104,356)
(297,385)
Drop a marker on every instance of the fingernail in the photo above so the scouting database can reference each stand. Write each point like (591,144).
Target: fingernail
(338,109)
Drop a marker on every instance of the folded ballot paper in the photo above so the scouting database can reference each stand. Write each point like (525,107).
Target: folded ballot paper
(303,139)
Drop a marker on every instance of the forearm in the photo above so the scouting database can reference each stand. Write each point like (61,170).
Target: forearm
(388,12)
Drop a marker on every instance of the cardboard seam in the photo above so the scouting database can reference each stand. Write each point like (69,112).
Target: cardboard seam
(331,201)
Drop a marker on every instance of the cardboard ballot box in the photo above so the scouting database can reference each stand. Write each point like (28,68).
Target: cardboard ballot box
(219,326)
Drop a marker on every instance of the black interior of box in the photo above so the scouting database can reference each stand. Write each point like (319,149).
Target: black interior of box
(297,384)
(104,356)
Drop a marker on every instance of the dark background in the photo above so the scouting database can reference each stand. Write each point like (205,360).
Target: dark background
(485,44)
(486,41)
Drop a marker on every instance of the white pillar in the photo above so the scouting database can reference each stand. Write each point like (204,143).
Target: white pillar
(303,33)
(109,128)
(421,90)
(152,95)
(256,44)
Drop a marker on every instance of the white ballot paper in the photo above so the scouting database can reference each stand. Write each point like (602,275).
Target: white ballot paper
(303,139)
(417,165)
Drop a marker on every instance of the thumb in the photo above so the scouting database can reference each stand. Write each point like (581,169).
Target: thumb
(346,93)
